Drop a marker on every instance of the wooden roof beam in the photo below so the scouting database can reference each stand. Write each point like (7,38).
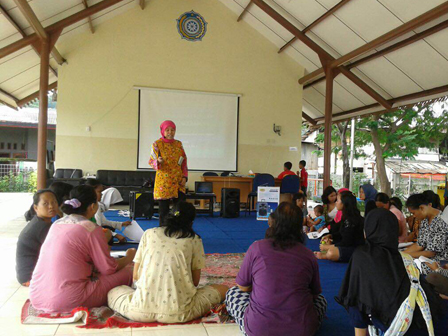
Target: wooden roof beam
(32,19)
(393,34)
(416,95)
(21,31)
(9,105)
(10,96)
(244,11)
(35,95)
(142,4)
(57,27)
(84,2)
(394,47)
(323,55)
(321,18)
(308,118)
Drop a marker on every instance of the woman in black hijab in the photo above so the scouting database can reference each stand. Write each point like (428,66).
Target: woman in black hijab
(376,282)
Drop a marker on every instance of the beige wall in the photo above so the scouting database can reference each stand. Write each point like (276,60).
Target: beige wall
(144,48)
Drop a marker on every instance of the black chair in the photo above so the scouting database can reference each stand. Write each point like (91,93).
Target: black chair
(68,173)
(260,180)
(210,174)
(225,174)
(290,184)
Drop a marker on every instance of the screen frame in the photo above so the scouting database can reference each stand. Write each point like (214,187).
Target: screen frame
(192,170)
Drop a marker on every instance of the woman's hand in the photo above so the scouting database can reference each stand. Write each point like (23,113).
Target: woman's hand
(127,223)
(326,239)
(120,238)
(183,182)
(434,265)
(160,159)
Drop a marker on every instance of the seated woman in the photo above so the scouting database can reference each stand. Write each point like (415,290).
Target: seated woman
(346,235)
(278,286)
(167,270)
(382,200)
(74,267)
(329,197)
(33,235)
(62,192)
(376,282)
(432,239)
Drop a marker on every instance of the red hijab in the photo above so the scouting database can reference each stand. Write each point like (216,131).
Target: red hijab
(163,127)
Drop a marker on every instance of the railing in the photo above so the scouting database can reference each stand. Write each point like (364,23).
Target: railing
(17,177)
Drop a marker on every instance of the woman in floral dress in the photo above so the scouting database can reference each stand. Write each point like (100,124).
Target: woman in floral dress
(168,158)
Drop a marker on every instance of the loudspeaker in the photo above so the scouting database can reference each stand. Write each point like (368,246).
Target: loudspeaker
(141,204)
(230,202)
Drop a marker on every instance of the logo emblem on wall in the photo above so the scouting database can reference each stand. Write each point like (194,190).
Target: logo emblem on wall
(191,26)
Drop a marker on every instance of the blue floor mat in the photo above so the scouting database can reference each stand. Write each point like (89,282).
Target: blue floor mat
(235,235)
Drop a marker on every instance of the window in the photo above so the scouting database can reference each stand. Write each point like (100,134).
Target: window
(9,145)
(4,155)
(15,146)
(2,145)
(23,146)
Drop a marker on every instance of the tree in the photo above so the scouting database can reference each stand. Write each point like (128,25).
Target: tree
(340,133)
(401,133)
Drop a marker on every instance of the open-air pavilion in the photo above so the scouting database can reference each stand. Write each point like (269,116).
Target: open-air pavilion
(289,62)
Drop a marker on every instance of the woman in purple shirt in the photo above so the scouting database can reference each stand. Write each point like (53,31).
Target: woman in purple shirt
(278,286)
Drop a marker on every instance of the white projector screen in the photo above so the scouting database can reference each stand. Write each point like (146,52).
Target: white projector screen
(206,123)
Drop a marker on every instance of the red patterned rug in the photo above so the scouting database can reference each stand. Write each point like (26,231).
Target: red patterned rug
(221,269)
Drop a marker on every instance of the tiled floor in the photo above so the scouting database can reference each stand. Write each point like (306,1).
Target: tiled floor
(13,296)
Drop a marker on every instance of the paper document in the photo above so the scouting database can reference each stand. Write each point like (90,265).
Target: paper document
(418,262)
(133,232)
(317,235)
(117,254)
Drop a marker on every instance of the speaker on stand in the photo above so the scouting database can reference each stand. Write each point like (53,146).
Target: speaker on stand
(141,204)
(230,202)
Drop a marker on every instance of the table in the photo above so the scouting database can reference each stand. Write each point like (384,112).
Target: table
(203,197)
(244,184)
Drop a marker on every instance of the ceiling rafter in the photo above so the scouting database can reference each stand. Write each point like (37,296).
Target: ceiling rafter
(142,4)
(393,47)
(394,101)
(9,105)
(379,41)
(35,95)
(244,11)
(323,55)
(32,19)
(321,18)
(86,5)
(57,27)
(22,32)
(9,95)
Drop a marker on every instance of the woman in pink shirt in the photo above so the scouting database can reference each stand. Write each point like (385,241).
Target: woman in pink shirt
(383,201)
(74,267)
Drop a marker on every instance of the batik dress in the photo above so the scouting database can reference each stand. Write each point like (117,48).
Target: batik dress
(169,173)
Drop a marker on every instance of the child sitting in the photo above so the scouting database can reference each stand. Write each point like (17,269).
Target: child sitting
(112,196)
(318,223)
(32,237)
(286,170)
(167,271)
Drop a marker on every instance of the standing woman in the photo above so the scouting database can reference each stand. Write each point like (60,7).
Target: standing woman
(168,158)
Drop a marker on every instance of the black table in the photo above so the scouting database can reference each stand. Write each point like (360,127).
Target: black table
(211,201)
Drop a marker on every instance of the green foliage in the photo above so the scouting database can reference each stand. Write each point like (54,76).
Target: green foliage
(22,182)
(403,132)
(336,142)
